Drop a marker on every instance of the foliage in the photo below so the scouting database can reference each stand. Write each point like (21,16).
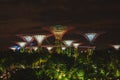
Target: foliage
(44,66)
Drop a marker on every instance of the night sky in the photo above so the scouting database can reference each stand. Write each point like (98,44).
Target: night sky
(30,16)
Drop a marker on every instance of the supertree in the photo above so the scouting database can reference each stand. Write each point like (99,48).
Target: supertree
(117,47)
(63,49)
(39,39)
(76,45)
(68,44)
(49,48)
(27,38)
(58,31)
(22,45)
(91,37)
(14,48)
(34,48)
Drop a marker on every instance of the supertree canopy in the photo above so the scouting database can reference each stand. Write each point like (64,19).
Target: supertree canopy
(49,48)
(21,44)
(76,45)
(117,47)
(39,39)
(14,48)
(35,48)
(58,31)
(27,38)
(91,36)
(68,43)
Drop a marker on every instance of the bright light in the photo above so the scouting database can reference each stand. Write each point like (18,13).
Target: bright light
(68,42)
(35,48)
(21,44)
(13,48)
(91,36)
(76,45)
(39,38)
(116,46)
(27,38)
(63,48)
(49,48)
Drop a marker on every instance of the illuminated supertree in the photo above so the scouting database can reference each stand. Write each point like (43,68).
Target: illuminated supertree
(35,48)
(49,48)
(63,49)
(14,48)
(27,38)
(117,47)
(76,45)
(22,45)
(68,44)
(91,36)
(39,39)
(58,31)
